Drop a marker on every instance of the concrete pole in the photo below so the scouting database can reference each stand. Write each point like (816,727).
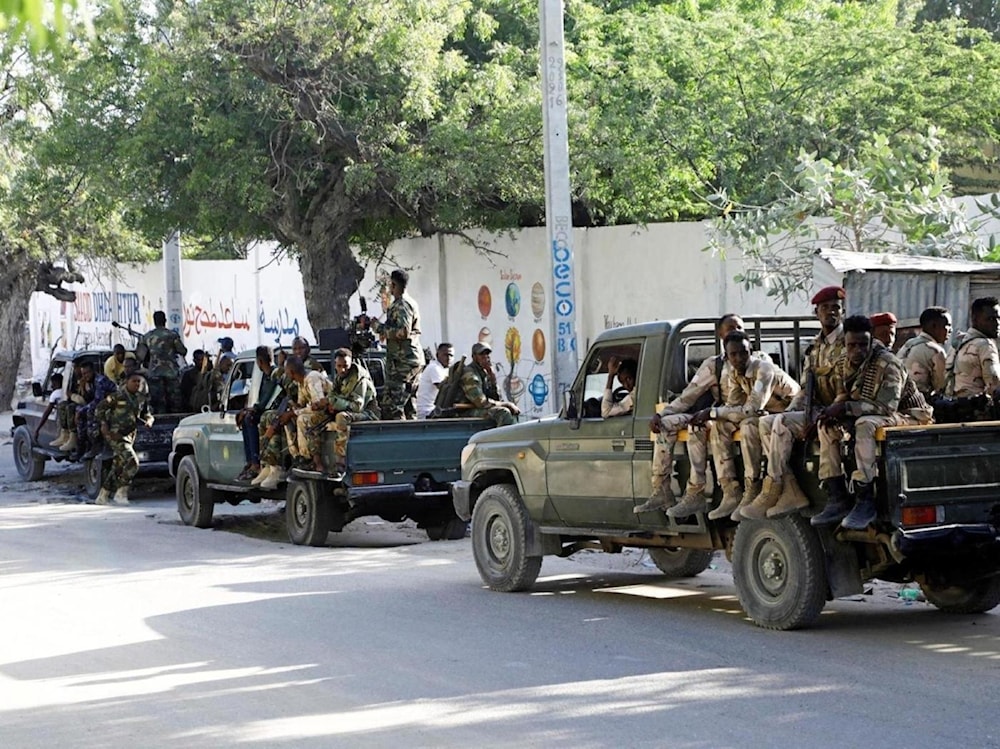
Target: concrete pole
(172,282)
(558,209)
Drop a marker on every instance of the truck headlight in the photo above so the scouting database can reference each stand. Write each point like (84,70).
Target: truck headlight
(467,453)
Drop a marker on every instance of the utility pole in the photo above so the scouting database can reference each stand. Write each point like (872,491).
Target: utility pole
(172,282)
(558,208)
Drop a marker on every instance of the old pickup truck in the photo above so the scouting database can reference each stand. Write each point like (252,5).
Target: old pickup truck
(152,444)
(570,482)
(395,469)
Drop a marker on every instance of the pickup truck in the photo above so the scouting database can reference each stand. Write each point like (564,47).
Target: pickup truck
(152,444)
(395,469)
(570,482)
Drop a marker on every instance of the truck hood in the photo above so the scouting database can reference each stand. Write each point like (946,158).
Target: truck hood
(530,430)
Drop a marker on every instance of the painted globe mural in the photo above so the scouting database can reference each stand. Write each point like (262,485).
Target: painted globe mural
(513,300)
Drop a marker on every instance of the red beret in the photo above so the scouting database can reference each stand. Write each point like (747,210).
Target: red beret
(829,294)
(883,318)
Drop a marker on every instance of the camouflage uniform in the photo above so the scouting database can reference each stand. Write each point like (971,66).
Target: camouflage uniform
(164,374)
(120,411)
(403,356)
(314,388)
(764,387)
(274,449)
(925,360)
(354,399)
(778,432)
(479,389)
(878,394)
(973,367)
(103,387)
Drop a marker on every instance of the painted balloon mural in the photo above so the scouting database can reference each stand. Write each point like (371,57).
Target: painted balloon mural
(538,345)
(485,301)
(537,300)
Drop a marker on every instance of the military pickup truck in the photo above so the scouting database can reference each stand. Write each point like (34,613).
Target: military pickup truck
(570,482)
(395,469)
(152,444)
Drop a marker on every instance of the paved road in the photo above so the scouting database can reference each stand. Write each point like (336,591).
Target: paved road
(122,628)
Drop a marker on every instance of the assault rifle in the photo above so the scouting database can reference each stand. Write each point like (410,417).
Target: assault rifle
(141,349)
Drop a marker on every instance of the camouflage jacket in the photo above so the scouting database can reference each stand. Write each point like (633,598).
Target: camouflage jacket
(973,366)
(764,387)
(924,359)
(121,410)
(103,387)
(315,387)
(164,346)
(822,357)
(880,386)
(402,332)
(290,387)
(355,391)
(479,387)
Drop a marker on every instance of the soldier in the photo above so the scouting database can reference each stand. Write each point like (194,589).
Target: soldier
(884,328)
(626,370)
(973,367)
(404,355)
(117,415)
(248,420)
(705,389)
(873,391)
(924,356)
(114,365)
(82,395)
(313,389)
(480,397)
(164,374)
(780,494)
(352,399)
(189,379)
(753,387)
(103,387)
(218,379)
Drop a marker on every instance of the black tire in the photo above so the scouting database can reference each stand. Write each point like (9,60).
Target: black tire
(674,562)
(93,475)
(195,501)
(974,598)
(452,530)
(779,572)
(308,516)
(29,466)
(500,527)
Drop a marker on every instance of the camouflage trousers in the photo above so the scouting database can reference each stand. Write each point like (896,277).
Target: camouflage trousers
(342,426)
(124,463)
(397,397)
(311,442)
(778,433)
(500,415)
(165,394)
(721,438)
(274,449)
(309,433)
(663,451)
(66,415)
(865,450)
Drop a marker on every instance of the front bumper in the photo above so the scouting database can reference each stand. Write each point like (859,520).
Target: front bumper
(461,497)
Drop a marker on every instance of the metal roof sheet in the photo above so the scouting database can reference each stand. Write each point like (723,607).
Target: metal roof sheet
(846,261)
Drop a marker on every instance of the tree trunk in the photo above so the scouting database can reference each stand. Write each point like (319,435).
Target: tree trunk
(330,275)
(18,279)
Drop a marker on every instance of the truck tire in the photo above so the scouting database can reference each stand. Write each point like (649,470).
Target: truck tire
(93,475)
(29,467)
(779,572)
(308,516)
(500,540)
(195,501)
(674,562)
(974,598)
(452,530)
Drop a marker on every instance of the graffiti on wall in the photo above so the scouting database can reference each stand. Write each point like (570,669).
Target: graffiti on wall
(103,307)
(279,323)
(213,316)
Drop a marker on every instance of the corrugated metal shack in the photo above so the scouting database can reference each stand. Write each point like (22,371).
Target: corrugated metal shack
(906,285)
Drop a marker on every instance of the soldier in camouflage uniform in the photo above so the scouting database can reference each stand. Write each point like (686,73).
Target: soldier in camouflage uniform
(480,396)
(118,414)
(780,493)
(164,374)
(924,356)
(404,356)
(973,368)
(103,387)
(77,401)
(353,398)
(310,408)
(873,391)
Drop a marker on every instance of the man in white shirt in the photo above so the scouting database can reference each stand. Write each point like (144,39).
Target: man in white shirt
(626,371)
(431,378)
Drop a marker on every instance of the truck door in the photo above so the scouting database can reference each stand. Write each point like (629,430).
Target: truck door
(225,438)
(589,469)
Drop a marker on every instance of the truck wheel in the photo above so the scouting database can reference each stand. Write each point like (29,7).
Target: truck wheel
(779,573)
(452,530)
(307,515)
(29,467)
(195,501)
(93,475)
(674,562)
(500,540)
(974,598)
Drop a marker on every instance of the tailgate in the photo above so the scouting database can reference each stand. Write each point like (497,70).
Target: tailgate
(405,449)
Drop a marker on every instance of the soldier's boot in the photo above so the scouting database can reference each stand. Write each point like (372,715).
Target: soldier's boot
(662,499)
(103,497)
(731,496)
(61,439)
(275,477)
(769,495)
(864,512)
(69,445)
(838,503)
(750,493)
(792,499)
(693,501)
(121,496)
(261,477)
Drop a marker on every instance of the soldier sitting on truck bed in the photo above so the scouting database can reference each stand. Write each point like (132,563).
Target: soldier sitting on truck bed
(972,381)
(352,398)
(626,370)
(780,493)
(873,391)
(704,390)
(103,387)
(81,395)
(310,408)
(754,387)
(924,356)
(480,397)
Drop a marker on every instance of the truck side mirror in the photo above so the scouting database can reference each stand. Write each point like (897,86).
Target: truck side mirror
(36,389)
(571,410)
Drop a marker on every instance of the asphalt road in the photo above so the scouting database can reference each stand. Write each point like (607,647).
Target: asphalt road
(120,627)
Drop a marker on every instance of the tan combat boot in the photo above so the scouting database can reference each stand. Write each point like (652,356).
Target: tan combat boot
(121,496)
(61,439)
(750,493)
(661,499)
(103,497)
(261,477)
(792,499)
(69,445)
(731,495)
(275,477)
(768,498)
(693,501)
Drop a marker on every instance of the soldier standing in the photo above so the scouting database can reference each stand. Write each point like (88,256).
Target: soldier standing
(924,356)
(480,393)
(164,375)
(404,356)
(973,368)
(117,415)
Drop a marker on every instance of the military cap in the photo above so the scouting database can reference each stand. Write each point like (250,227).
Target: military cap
(829,294)
(883,318)
(480,348)
(226,342)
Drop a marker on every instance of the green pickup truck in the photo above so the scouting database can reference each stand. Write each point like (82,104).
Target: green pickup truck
(570,482)
(395,469)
